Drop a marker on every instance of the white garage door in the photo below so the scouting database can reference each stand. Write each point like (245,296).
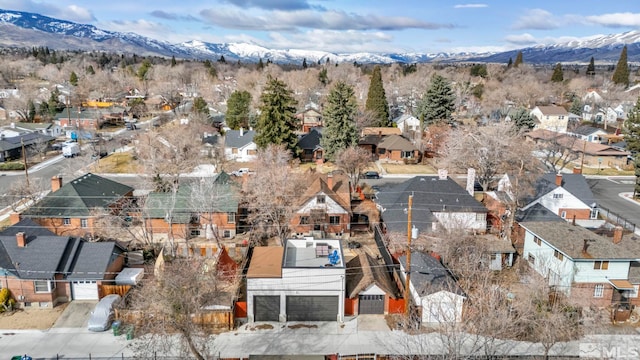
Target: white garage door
(84,290)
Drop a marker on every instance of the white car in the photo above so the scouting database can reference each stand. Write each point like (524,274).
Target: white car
(102,315)
(241,172)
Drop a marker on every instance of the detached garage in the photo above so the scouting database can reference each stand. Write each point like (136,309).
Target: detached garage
(266,308)
(369,286)
(312,308)
(84,290)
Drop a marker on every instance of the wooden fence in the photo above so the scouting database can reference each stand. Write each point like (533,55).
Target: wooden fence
(104,290)
(217,319)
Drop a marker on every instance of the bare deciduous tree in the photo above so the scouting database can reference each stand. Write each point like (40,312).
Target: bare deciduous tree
(353,160)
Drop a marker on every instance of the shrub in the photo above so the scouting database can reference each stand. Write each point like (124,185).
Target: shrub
(6,302)
(11,166)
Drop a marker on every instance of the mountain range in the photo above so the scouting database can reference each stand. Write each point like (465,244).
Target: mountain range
(26,30)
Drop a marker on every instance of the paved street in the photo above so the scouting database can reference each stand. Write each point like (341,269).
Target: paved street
(607,192)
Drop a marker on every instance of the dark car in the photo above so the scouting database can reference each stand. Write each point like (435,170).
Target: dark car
(371,175)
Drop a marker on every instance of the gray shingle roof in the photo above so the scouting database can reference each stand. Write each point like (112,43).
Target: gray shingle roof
(429,276)
(537,212)
(576,184)
(570,240)
(93,259)
(79,197)
(585,130)
(430,195)
(232,138)
(363,271)
(14,142)
(311,140)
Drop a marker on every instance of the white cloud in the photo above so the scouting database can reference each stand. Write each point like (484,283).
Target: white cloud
(521,39)
(141,27)
(537,19)
(71,13)
(79,14)
(332,41)
(470,6)
(615,19)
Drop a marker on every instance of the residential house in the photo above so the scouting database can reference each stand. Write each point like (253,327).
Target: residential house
(325,207)
(11,147)
(370,287)
(554,118)
(569,196)
(88,119)
(433,289)
(589,268)
(370,137)
(310,147)
(42,269)
(397,149)
(73,208)
(589,134)
(380,131)
(309,118)
(49,129)
(407,123)
(438,202)
(239,145)
(185,214)
(304,280)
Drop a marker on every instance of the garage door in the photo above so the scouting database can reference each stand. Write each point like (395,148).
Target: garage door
(371,304)
(312,308)
(84,290)
(266,308)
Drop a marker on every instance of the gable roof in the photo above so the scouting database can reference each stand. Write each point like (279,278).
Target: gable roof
(537,212)
(79,197)
(364,271)
(430,195)
(570,240)
(396,142)
(405,117)
(340,192)
(551,110)
(232,138)
(310,140)
(586,130)
(90,257)
(382,131)
(429,276)
(14,142)
(576,184)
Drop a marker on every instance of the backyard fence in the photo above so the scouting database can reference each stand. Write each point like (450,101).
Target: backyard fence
(617,219)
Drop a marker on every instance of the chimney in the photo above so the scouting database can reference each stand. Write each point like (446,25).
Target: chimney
(330,181)
(14,218)
(21,239)
(56,183)
(241,132)
(617,234)
(577,170)
(558,179)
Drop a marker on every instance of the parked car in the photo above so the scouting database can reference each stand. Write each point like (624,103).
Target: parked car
(102,315)
(241,172)
(71,150)
(371,175)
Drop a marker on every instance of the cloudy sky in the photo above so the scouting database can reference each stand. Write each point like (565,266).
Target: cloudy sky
(352,25)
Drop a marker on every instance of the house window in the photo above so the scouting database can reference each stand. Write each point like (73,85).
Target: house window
(633,293)
(481,217)
(594,213)
(66,221)
(558,255)
(252,152)
(195,232)
(84,223)
(226,234)
(598,291)
(320,199)
(231,218)
(537,240)
(494,256)
(531,259)
(42,286)
(563,214)
(600,265)
(334,220)
(234,150)
(406,154)
(304,220)
(557,196)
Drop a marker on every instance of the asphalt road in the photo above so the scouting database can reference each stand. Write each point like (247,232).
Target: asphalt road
(607,193)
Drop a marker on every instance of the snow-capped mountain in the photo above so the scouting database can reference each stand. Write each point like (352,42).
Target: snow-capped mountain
(23,29)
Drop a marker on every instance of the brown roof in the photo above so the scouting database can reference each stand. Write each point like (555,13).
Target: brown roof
(266,262)
(364,271)
(396,142)
(381,131)
(571,239)
(576,144)
(553,110)
(340,191)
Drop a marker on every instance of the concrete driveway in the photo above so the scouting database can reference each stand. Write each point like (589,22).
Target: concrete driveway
(76,314)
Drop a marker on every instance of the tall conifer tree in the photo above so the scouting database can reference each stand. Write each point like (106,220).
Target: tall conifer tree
(621,74)
(339,119)
(377,100)
(277,122)
(438,102)
(558,75)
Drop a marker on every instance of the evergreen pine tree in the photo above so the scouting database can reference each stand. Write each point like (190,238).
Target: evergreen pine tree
(377,100)
(277,122)
(304,63)
(222,60)
(558,75)
(173,61)
(260,65)
(518,59)
(632,137)
(200,106)
(591,68)
(510,63)
(576,106)
(31,111)
(322,77)
(238,109)
(438,102)
(73,79)
(621,75)
(522,119)
(339,118)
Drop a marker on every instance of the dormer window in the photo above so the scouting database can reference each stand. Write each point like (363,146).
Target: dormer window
(557,196)
(320,199)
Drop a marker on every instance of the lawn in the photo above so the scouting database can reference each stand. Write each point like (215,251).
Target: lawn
(117,163)
(604,171)
(408,169)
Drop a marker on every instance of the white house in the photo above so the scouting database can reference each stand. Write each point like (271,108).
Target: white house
(433,289)
(239,145)
(589,133)
(302,281)
(554,118)
(407,123)
(585,266)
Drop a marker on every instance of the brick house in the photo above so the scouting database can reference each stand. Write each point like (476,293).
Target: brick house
(73,208)
(324,207)
(309,118)
(43,269)
(397,149)
(80,118)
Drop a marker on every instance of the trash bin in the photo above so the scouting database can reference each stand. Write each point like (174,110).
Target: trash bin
(130,333)
(115,326)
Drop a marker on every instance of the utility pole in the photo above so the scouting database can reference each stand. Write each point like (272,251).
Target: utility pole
(24,158)
(407,291)
(584,148)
